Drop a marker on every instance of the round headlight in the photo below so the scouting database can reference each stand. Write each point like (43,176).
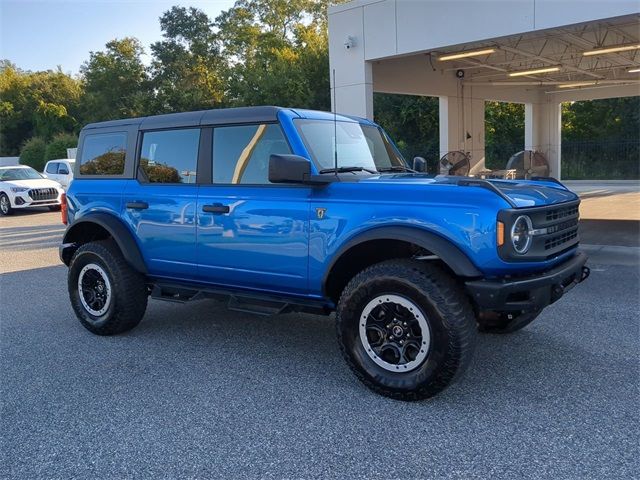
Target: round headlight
(521,234)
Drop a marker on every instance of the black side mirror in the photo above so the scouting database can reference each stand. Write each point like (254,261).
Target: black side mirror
(419,164)
(63,171)
(289,169)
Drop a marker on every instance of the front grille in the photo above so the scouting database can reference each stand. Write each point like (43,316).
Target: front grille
(555,227)
(558,213)
(561,239)
(40,194)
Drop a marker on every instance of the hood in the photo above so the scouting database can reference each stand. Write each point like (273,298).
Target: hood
(35,183)
(523,193)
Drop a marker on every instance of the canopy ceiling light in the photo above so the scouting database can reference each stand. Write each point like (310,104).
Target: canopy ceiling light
(474,53)
(634,70)
(577,84)
(533,72)
(614,49)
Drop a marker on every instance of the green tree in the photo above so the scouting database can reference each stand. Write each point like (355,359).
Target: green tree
(35,104)
(186,66)
(33,152)
(116,84)
(504,132)
(412,122)
(276,52)
(57,147)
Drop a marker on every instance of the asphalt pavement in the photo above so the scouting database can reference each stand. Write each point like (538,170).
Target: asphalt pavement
(196,391)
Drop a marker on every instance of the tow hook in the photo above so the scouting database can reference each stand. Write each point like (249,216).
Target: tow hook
(586,271)
(556,292)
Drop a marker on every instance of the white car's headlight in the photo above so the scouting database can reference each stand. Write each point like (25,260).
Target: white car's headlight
(521,234)
(18,189)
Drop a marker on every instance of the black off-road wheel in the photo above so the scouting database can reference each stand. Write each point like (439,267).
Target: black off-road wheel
(406,329)
(500,323)
(107,295)
(5,205)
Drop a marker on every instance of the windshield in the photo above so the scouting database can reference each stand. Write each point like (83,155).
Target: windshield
(358,145)
(19,174)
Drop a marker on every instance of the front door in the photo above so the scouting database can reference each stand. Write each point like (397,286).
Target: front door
(252,234)
(160,205)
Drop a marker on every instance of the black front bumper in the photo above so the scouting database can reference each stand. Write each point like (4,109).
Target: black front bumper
(531,293)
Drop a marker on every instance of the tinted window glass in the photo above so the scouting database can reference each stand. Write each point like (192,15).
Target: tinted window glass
(170,156)
(103,154)
(241,154)
(52,167)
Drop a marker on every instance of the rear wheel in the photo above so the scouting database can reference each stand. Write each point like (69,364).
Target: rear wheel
(406,329)
(107,295)
(499,322)
(5,205)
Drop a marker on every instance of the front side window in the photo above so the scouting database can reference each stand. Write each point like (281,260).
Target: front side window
(169,156)
(241,153)
(52,167)
(103,154)
(357,145)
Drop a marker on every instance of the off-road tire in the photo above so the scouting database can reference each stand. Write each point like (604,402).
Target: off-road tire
(129,292)
(9,210)
(500,323)
(449,316)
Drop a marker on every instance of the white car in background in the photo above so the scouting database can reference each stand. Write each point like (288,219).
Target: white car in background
(60,170)
(23,187)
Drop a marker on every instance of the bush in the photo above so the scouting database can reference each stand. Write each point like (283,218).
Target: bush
(57,148)
(32,153)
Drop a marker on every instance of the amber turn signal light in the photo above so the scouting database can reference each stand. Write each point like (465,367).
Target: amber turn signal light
(500,234)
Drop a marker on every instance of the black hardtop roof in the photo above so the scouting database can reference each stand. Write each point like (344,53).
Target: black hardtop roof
(201,117)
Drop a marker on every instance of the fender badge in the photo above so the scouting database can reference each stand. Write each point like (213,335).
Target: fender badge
(320,213)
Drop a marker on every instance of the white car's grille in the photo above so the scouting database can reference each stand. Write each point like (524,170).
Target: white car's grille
(40,194)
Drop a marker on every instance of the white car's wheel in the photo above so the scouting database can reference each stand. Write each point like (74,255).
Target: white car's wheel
(5,205)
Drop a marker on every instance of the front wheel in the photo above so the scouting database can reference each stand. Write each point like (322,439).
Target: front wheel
(5,205)
(107,295)
(406,329)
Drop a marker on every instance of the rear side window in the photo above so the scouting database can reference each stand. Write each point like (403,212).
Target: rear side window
(169,156)
(241,153)
(103,154)
(52,167)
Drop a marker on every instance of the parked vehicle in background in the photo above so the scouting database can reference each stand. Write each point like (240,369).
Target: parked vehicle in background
(277,210)
(60,170)
(23,187)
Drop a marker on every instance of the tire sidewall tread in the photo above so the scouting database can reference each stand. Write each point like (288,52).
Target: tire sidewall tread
(449,314)
(129,292)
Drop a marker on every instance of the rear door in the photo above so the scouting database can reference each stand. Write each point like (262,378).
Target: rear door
(252,234)
(160,204)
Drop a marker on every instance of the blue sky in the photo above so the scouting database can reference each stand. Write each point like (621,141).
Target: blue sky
(42,34)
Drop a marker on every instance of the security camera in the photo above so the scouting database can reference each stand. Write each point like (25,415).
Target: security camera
(349,43)
(460,73)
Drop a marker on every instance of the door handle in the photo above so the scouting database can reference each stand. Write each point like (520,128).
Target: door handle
(216,208)
(138,205)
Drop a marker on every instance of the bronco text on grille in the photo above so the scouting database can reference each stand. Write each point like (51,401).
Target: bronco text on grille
(41,194)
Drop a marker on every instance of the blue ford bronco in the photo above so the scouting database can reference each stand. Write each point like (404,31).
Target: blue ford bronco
(278,210)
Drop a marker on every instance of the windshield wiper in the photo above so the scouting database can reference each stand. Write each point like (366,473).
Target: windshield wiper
(346,169)
(397,168)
